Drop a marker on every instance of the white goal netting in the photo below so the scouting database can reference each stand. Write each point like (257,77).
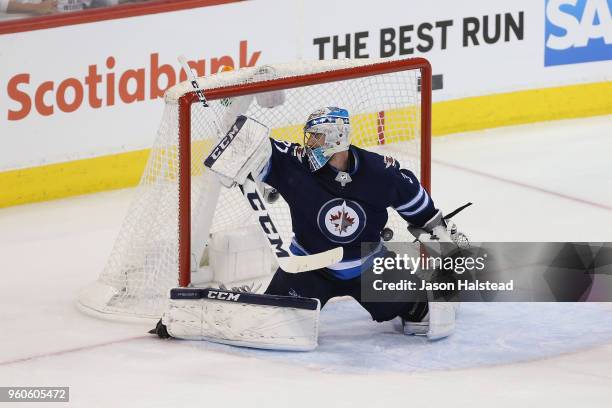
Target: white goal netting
(385,114)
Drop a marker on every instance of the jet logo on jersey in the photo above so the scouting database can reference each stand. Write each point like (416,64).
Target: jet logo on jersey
(341,220)
(577,31)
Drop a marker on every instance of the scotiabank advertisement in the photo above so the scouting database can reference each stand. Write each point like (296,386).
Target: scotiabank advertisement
(73,98)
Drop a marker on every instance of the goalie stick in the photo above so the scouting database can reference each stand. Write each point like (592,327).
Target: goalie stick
(286,261)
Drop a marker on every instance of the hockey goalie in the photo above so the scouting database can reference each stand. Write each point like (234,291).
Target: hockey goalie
(338,195)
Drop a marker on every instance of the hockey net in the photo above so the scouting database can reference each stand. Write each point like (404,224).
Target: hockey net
(160,242)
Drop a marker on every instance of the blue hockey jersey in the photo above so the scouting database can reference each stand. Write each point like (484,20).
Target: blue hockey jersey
(326,213)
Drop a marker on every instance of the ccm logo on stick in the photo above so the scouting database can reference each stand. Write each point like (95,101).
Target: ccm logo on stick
(577,31)
(223,296)
(266,222)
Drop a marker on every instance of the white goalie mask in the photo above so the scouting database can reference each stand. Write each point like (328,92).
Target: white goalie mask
(326,132)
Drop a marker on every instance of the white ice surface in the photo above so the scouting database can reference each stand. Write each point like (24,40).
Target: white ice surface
(489,334)
(544,182)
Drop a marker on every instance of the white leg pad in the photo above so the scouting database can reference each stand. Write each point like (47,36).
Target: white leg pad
(243,319)
(439,322)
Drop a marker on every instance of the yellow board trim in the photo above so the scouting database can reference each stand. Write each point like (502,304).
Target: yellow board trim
(71,178)
(482,112)
(516,108)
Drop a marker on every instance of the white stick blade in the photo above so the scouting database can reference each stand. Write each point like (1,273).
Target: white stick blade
(296,264)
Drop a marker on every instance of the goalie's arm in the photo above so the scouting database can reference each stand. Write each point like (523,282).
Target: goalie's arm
(413,204)
(283,155)
(411,201)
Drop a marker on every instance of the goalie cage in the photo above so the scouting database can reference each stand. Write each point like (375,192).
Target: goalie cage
(160,242)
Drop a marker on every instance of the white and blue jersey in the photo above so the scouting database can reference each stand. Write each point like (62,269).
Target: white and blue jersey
(326,214)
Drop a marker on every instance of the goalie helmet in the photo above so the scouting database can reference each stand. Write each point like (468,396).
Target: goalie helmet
(326,132)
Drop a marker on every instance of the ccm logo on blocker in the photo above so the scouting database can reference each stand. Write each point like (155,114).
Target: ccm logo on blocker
(577,31)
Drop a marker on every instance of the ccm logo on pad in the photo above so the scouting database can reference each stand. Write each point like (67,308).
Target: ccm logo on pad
(223,296)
